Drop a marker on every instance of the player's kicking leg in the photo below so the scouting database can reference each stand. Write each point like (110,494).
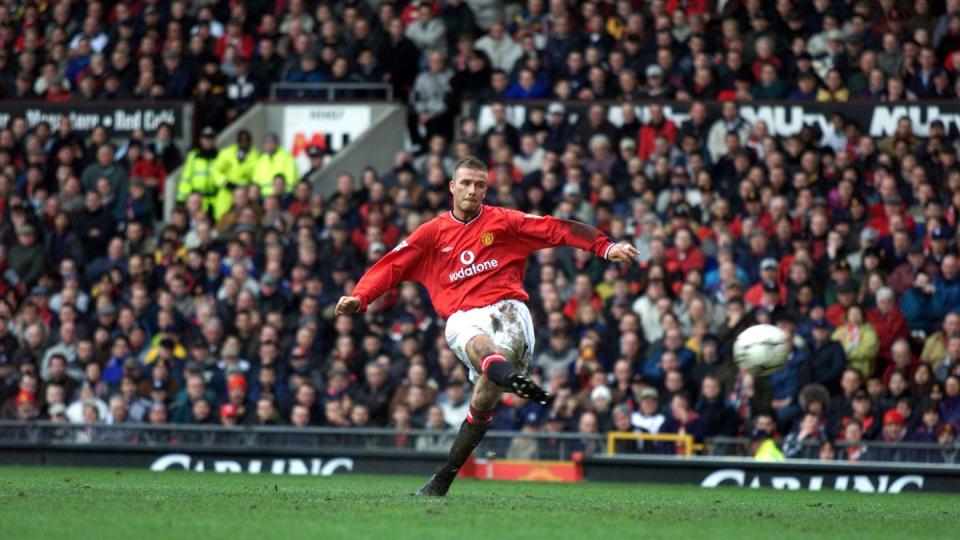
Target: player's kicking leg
(497,374)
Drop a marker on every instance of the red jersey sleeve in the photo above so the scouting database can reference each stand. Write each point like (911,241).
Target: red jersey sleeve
(406,261)
(538,232)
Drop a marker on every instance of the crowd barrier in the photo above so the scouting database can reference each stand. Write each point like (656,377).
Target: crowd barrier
(503,455)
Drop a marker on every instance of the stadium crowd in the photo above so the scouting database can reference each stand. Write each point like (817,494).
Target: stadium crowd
(223,314)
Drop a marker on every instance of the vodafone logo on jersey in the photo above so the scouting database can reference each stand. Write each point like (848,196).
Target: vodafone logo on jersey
(470,268)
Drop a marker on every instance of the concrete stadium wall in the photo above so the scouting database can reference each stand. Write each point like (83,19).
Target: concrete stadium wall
(375,148)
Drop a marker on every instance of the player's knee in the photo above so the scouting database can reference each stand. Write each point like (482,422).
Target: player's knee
(480,347)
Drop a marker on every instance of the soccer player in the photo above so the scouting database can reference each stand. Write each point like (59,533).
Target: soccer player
(471,261)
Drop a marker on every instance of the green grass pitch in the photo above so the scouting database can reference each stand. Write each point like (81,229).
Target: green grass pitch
(125,504)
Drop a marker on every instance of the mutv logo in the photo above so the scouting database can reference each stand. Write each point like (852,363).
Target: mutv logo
(328,142)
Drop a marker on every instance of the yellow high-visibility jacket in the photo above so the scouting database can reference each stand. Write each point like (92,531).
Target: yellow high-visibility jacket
(268,166)
(197,176)
(229,169)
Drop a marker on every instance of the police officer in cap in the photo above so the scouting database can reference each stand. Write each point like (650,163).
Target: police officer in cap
(316,155)
(197,173)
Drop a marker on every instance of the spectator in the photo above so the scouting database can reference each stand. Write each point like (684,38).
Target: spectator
(427,32)
(233,167)
(859,340)
(27,259)
(719,419)
(275,167)
(430,98)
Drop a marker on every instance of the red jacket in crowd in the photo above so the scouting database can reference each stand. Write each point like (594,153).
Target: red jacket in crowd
(889,327)
(649,132)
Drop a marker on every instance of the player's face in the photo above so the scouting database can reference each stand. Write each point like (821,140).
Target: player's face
(469,187)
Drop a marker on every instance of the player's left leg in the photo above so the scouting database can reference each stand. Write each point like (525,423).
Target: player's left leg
(486,394)
(496,343)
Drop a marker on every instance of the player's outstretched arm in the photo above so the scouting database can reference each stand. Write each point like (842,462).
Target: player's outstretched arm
(348,305)
(538,232)
(409,260)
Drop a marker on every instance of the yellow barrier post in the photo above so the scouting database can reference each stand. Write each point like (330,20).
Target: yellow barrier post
(685,439)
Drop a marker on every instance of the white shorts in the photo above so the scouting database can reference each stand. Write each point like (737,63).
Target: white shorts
(507,322)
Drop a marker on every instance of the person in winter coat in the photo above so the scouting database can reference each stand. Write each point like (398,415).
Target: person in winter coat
(658,126)
(918,305)
(935,347)
(671,356)
(151,169)
(400,59)
(233,167)
(64,242)
(827,359)
(428,33)
(500,48)
(718,418)
(105,167)
(888,321)
(731,121)
(430,97)
(27,257)
(789,379)
(859,340)
(272,162)
(946,288)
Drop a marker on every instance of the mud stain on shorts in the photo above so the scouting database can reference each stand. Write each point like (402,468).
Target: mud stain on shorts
(509,332)
(495,323)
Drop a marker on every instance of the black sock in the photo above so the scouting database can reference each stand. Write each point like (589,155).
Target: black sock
(471,433)
(498,370)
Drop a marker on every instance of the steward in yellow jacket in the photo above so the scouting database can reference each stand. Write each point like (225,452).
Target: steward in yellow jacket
(234,167)
(274,161)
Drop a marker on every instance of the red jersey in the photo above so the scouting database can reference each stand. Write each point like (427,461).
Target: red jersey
(466,265)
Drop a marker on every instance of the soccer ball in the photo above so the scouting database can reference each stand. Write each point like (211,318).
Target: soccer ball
(761,349)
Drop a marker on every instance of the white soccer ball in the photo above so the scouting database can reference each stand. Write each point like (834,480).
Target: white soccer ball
(761,349)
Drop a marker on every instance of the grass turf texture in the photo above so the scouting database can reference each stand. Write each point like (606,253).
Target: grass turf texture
(106,503)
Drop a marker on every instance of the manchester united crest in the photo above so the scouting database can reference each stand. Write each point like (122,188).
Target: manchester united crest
(487,238)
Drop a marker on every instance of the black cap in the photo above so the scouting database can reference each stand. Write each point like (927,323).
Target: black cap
(861,394)
(208,132)
(314,151)
(771,286)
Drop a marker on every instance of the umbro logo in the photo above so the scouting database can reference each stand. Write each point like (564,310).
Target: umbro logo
(447,249)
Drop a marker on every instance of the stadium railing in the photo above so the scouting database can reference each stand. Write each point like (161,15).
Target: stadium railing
(905,452)
(497,444)
(331,91)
